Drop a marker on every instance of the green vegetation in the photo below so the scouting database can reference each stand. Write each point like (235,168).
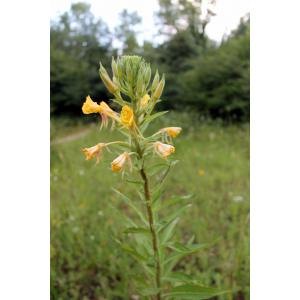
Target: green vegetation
(214,167)
(201,75)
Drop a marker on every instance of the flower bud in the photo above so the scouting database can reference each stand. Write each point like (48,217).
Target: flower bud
(94,151)
(112,87)
(147,76)
(163,150)
(155,82)
(118,163)
(158,91)
(172,131)
(144,101)
(114,68)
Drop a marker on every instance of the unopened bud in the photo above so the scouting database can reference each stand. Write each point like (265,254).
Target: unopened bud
(114,68)
(155,82)
(159,89)
(140,83)
(147,76)
(112,87)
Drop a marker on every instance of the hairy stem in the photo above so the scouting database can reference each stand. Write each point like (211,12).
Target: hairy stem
(152,229)
(150,215)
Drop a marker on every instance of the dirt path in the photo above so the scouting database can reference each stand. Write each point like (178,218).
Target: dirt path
(71,137)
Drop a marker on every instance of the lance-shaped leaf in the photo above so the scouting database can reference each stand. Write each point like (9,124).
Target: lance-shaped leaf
(176,214)
(156,168)
(135,181)
(128,221)
(137,230)
(176,277)
(170,202)
(190,291)
(150,118)
(134,253)
(130,203)
(149,291)
(180,251)
(167,231)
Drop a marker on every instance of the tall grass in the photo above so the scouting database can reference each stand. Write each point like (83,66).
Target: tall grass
(214,168)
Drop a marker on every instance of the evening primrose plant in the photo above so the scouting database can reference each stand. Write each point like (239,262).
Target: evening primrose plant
(145,160)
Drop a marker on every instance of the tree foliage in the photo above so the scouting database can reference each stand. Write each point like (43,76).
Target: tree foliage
(201,75)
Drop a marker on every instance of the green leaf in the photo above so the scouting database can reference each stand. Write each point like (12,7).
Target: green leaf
(190,291)
(149,119)
(178,277)
(128,221)
(120,102)
(135,181)
(167,231)
(180,252)
(133,252)
(140,230)
(171,201)
(130,203)
(152,170)
(186,248)
(177,213)
(149,291)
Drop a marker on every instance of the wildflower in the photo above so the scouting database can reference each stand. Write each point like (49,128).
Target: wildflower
(106,112)
(94,151)
(201,172)
(90,107)
(127,117)
(163,150)
(172,131)
(118,163)
(144,101)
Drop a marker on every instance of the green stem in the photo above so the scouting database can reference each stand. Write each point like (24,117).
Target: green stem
(150,220)
(152,229)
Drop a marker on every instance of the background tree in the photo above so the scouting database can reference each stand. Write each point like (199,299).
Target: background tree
(202,75)
(126,32)
(78,41)
(219,84)
(182,15)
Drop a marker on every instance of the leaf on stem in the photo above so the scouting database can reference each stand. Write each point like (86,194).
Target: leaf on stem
(130,203)
(150,118)
(191,291)
(177,277)
(134,253)
(167,231)
(180,251)
(137,230)
(149,291)
(171,201)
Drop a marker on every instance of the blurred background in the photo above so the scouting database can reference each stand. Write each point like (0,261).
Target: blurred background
(203,47)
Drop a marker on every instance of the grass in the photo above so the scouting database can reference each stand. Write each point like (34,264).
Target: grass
(86,262)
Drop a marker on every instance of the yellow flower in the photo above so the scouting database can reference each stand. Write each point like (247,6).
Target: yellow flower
(172,131)
(106,112)
(144,101)
(94,151)
(118,163)
(201,172)
(89,106)
(127,117)
(163,150)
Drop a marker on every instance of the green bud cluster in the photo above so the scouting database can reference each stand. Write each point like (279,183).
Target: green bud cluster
(132,76)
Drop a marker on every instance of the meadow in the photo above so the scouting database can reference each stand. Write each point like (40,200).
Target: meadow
(86,215)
